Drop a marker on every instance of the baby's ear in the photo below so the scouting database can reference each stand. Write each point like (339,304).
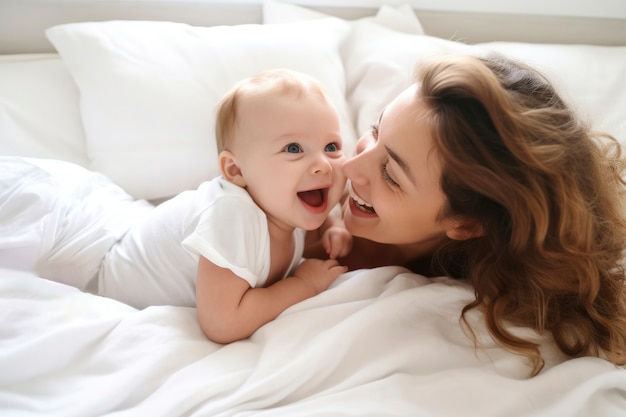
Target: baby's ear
(230,168)
(464,229)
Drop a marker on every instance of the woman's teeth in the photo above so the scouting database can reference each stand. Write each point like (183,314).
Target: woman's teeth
(362,204)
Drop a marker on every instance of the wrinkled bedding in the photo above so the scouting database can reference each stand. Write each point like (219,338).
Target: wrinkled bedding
(378,342)
(383,341)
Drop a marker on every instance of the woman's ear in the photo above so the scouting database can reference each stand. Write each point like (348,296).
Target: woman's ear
(230,168)
(464,229)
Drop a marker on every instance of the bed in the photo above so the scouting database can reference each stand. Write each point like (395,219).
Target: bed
(112,102)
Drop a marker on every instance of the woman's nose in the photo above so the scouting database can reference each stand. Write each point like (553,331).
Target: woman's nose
(362,144)
(356,168)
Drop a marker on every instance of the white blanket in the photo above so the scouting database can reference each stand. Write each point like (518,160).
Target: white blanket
(380,342)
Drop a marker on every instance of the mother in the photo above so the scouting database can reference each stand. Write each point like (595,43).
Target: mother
(480,171)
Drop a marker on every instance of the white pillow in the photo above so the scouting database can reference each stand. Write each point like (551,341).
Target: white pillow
(39,114)
(148,90)
(380,63)
(401,18)
(590,78)
(279,12)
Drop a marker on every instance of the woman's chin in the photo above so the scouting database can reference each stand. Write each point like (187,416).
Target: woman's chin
(360,226)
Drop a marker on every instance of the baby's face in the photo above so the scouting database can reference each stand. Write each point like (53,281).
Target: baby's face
(289,150)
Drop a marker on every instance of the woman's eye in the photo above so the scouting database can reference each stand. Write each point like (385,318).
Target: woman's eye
(331,147)
(374,131)
(386,177)
(293,148)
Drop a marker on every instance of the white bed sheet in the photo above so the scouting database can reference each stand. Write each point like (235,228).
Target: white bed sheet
(380,342)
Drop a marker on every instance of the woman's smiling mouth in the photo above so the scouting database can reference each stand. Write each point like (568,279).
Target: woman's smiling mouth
(361,204)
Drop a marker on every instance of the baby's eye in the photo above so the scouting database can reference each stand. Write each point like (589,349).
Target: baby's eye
(293,148)
(332,147)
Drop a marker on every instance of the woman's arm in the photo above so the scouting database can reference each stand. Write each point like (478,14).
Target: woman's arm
(229,309)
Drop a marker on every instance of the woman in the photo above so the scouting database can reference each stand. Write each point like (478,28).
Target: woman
(480,171)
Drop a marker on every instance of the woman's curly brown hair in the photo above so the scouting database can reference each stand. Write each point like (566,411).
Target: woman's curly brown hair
(548,195)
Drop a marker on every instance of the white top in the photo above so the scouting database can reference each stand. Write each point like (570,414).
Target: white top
(157,259)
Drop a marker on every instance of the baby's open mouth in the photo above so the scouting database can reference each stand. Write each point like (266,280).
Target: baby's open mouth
(361,204)
(314,198)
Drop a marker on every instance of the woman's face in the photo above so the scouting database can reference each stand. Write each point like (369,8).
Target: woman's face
(395,196)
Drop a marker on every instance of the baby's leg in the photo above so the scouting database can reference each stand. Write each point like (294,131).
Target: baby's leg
(30,206)
(59,219)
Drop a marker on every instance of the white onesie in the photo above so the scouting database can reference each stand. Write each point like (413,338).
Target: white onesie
(156,261)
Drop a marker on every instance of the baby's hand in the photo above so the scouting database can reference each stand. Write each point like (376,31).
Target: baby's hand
(337,241)
(319,273)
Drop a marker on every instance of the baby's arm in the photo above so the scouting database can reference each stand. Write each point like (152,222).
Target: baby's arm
(229,309)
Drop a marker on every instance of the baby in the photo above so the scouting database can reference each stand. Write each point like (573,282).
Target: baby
(233,247)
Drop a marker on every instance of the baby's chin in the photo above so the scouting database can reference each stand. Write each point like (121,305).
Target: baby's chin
(311,221)
(310,225)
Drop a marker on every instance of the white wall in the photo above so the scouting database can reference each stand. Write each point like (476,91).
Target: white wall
(596,22)
(587,8)
(611,9)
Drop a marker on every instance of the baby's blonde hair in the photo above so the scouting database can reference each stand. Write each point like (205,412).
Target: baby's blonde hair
(270,82)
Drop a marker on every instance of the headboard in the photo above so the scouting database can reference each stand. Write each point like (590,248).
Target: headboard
(22,22)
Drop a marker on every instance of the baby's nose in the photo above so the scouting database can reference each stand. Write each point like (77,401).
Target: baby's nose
(321,165)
